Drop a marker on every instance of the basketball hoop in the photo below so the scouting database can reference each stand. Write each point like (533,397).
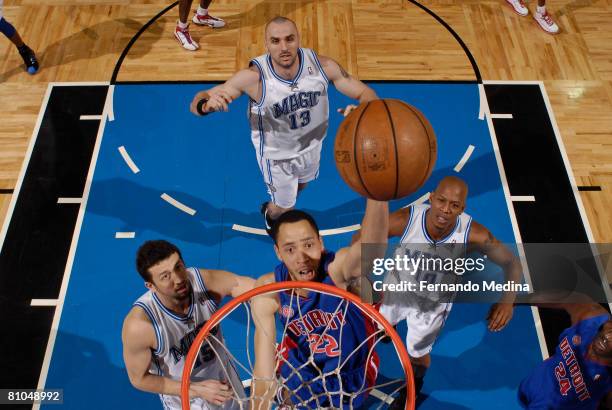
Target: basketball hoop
(385,387)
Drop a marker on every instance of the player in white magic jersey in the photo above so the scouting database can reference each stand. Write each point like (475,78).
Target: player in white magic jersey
(445,229)
(288,110)
(161,326)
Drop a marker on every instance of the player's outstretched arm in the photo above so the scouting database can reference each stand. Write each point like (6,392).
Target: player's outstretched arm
(397,224)
(346,267)
(345,83)
(218,98)
(482,239)
(222,283)
(263,308)
(139,340)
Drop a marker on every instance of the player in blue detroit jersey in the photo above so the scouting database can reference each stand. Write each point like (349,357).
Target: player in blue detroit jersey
(319,336)
(578,375)
(288,110)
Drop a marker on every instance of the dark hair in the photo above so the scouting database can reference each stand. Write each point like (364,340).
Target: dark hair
(294,215)
(151,253)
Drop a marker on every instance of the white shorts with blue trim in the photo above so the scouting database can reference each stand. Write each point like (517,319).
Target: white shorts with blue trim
(424,325)
(282,176)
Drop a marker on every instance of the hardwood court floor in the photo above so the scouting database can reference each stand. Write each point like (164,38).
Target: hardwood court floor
(374,39)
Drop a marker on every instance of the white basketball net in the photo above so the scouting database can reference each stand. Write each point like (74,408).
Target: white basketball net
(380,395)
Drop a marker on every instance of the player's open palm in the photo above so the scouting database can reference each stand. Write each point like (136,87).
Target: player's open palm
(499,316)
(213,391)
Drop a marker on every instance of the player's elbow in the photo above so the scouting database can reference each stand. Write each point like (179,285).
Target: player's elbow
(137,382)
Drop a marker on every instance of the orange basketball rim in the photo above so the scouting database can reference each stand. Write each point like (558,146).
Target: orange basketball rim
(229,307)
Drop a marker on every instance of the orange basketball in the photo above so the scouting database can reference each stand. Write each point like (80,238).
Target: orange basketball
(385,149)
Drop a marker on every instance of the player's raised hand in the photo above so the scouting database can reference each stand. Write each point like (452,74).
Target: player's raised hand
(499,316)
(347,110)
(213,391)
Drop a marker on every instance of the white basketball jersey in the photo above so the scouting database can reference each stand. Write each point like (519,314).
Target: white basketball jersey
(291,117)
(175,334)
(431,253)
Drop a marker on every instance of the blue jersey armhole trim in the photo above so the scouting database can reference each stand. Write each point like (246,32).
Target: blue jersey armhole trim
(467,230)
(318,63)
(259,103)
(205,289)
(160,341)
(409,224)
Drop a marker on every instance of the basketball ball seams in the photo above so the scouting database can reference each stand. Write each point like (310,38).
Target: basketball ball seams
(367,166)
(431,152)
(356,158)
(397,159)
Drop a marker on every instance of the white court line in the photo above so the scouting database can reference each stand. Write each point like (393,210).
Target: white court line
(483,105)
(178,204)
(507,82)
(125,235)
(44,302)
(128,160)
(464,159)
(77,83)
(69,200)
(90,117)
(577,197)
(382,396)
(517,234)
(70,260)
(344,229)
(248,229)
(420,200)
(109,104)
(324,232)
(523,198)
(24,166)
(502,116)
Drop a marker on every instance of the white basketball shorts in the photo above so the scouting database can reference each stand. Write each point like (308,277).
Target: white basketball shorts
(424,326)
(282,176)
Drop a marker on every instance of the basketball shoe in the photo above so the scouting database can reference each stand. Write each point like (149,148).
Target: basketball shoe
(546,22)
(208,20)
(183,37)
(519,7)
(29,59)
(267,220)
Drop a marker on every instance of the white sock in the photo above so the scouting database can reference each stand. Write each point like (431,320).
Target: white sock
(201,11)
(541,10)
(182,25)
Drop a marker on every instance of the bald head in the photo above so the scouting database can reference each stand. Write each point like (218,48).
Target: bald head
(453,185)
(279,20)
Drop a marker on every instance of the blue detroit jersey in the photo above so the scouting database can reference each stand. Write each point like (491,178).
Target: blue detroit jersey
(568,380)
(315,323)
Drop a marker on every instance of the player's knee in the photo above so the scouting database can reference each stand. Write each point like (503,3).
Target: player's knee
(7,28)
